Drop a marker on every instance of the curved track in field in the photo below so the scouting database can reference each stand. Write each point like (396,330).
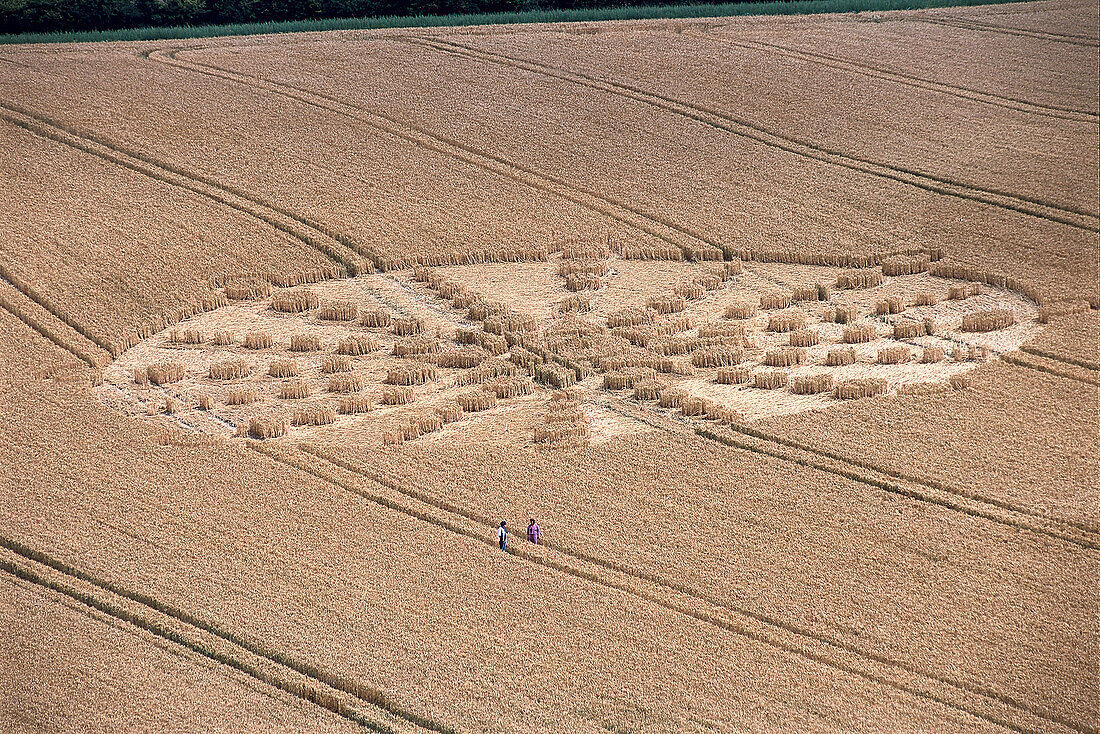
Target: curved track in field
(340,249)
(912,80)
(648,222)
(1070,216)
(982,703)
(341,696)
(977,25)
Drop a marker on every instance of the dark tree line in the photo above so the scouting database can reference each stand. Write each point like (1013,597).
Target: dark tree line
(18,16)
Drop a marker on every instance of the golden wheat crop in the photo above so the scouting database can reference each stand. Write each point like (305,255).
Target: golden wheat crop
(294,301)
(294,390)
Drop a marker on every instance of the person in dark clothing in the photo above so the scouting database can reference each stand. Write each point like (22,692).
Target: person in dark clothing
(502,535)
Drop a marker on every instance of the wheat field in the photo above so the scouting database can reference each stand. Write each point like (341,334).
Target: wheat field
(782,328)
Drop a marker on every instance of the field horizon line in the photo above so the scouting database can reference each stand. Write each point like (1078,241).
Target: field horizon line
(562,15)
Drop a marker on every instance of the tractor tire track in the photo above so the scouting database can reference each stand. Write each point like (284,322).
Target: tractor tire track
(990,706)
(976,25)
(1070,216)
(1052,366)
(1074,361)
(686,239)
(300,679)
(340,249)
(915,488)
(911,80)
(48,325)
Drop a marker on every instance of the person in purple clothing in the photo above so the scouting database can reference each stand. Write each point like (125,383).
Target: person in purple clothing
(502,535)
(533,531)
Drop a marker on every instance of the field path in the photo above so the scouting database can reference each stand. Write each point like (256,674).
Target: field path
(344,698)
(912,80)
(375,486)
(977,25)
(338,248)
(653,224)
(1071,216)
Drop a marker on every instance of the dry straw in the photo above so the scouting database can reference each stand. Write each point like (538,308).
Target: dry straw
(786,321)
(930,355)
(357,345)
(854,389)
(314,415)
(784,357)
(171,405)
(396,395)
(205,402)
(247,290)
(773,301)
(375,318)
(449,412)
(141,376)
(339,311)
(811,384)
(510,387)
(283,368)
(671,397)
(415,374)
(355,403)
(295,301)
(673,344)
(294,390)
(576,303)
(840,314)
(630,317)
(717,356)
(769,380)
(664,305)
(647,390)
(268,427)
(733,375)
(406,326)
(804,338)
(908,329)
(860,334)
(555,375)
(186,336)
(582,281)
(721,329)
(487,370)
(222,338)
(462,358)
(992,320)
(1046,313)
(640,251)
(925,298)
(966,290)
(415,345)
(231,369)
(304,343)
(345,382)
(894,355)
(475,401)
(241,396)
(958,382)
(164,373)
(904,266)
(741,310)
(258,340)
(335,363)
(891,305)
(859,279)
(840,357)
(692,291)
